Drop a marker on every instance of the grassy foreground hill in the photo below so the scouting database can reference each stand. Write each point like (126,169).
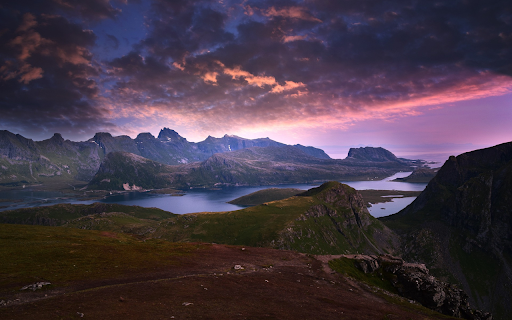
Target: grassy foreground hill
(85,269)
(330,219)
(107,275)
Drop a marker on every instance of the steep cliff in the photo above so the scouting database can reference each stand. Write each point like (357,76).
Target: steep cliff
(461,225)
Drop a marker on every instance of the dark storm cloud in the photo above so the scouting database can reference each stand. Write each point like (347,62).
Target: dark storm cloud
(85,9)
(47,78)
(182,27)
(252,60)
(230,64)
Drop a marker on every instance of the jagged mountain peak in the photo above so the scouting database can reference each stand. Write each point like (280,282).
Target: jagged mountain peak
(57,137)
(167,134)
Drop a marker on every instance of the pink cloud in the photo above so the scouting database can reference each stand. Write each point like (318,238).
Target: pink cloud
(289,85)
(290,12)
(75,55)
(210,77)
(260,81)
(293,38)
(29,21)
(29,73)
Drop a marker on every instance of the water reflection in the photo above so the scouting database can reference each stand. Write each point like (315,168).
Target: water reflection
(200,200)
(385,209)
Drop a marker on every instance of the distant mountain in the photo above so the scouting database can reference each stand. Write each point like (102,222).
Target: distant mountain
(24,161)
(251,166)
(461,226)
(212,145)
(58,161)
(371,154)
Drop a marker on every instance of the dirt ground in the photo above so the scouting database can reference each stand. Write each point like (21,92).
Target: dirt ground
(273,284)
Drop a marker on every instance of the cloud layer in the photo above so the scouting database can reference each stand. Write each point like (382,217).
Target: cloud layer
(223,66)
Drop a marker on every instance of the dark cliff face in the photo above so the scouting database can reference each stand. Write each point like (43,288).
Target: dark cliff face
(413,281)
(465,214)
(472,192)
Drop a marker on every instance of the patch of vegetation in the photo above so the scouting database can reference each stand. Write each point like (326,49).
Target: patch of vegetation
(63,255)
(254,226)
(61,214)
(379,278)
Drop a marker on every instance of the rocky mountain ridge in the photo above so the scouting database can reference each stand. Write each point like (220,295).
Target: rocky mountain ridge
(250,166)
(24,161)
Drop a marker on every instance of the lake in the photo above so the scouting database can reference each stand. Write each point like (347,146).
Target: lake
(200,200)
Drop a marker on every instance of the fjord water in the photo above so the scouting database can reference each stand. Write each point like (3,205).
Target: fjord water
(201,200)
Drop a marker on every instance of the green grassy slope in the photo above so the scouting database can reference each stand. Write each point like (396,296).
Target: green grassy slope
(329,219)
(64,255)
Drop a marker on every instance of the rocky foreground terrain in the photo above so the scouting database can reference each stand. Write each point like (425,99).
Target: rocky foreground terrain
(179,281)
(329,219)
(413,281)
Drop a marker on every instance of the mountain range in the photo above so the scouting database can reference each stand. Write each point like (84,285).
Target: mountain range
(171,161)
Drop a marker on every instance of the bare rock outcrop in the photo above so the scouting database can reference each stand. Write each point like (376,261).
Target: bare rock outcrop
(413,281)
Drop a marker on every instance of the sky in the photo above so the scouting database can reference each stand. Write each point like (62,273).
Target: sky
(415,77)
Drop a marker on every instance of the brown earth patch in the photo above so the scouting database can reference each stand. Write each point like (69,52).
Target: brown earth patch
(273,284)
(109,234)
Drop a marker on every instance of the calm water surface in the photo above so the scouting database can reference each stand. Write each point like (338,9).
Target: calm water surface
(200,200)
